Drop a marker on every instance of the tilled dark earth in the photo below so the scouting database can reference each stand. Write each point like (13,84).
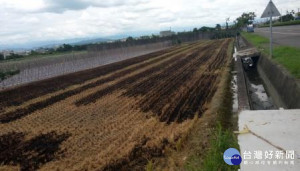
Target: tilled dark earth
(112,117)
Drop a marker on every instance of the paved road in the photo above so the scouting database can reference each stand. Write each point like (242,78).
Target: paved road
(283,35)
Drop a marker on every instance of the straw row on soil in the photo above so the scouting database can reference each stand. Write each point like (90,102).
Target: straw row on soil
(112,117)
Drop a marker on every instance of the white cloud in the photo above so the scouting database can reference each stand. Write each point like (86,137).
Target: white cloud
(22,5)
(37,20)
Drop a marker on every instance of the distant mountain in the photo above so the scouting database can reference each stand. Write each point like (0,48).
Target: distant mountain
(91,41)
(51,43)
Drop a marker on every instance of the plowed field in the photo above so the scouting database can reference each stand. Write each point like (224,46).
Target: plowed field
(112,117)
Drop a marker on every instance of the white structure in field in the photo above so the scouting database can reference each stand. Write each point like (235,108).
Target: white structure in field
(6,53)
(166,33)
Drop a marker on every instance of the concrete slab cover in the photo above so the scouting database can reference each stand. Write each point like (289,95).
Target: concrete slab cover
(250,52)
(277,127)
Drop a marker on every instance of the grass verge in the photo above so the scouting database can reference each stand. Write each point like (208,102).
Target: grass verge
(287,56)
(287,23)
(39,56)
(222,140)
(6,74)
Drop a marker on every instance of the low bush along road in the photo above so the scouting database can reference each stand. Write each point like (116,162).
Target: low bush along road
(282,35)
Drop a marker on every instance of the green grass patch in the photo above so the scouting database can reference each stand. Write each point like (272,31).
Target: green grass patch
(287,23)
(39,56)
(287,56)
(6,74)
(223,139)
(223,136)
(149,166)
(257,40)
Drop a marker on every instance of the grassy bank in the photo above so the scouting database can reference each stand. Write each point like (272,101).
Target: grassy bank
(296,22)
(287,56)
(6,74)
(32,57)
(222,140)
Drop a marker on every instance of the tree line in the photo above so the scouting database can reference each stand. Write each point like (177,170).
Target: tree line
(46,51)
(177,38)
(248,18)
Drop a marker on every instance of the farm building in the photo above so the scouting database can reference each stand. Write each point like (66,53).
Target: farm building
(166,33)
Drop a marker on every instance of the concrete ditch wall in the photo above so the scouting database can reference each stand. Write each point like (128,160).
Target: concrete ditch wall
(284,89)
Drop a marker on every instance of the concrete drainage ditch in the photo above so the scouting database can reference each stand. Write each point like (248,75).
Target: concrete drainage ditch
(259,91)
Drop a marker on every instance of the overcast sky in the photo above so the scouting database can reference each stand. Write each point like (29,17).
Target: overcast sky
(25,21)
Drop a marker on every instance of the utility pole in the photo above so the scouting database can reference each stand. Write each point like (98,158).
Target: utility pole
(227,19)
(269,12)
(281,14)
(271,36)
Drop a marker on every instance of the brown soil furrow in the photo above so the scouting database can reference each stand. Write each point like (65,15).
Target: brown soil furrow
(220,58)
(133,114)
(54,84)
(129,81)
(166,89)
(30,154)
(19,113)
(153,83)
(185,106)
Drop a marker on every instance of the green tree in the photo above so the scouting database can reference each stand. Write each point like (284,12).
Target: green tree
(205,29)
(288,16)
(79,47)
(129,39)
(1,56)
(145,37)
(245,19)
(65,48)
(14,56)
(227,20)
(68,47)
(218,27)
(32,52)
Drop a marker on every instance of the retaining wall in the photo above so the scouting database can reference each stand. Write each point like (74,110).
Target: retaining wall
(284,89)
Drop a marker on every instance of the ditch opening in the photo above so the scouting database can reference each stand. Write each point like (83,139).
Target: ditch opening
(258,95)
